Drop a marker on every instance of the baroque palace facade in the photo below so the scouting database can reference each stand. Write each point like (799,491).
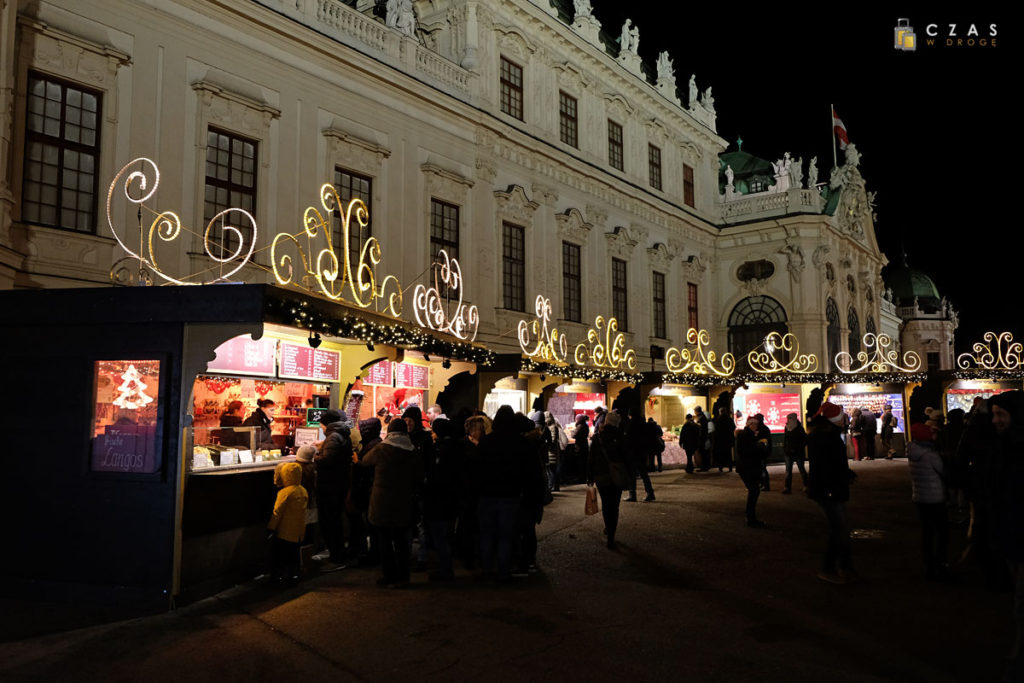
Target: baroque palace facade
(514,135)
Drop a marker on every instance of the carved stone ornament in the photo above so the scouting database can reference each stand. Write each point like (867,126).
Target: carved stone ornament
(445,184)
(347,150)
(795,262)
(661,256)
(621,242)
(818,258)
(618,107)
(695,266)
(514,42)
(572,227)
(514,206)
(235,112)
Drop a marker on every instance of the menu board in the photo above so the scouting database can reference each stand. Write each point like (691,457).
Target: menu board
(245,356)
(412,376)
(379,374)
(303,362)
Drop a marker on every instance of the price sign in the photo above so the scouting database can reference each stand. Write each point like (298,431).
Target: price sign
(412,376)
(379,374)
(245,356)
(303,362)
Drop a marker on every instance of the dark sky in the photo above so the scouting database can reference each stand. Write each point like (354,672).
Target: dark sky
(933,127)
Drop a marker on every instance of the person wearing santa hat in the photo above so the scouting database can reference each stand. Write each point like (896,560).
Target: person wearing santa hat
(828,484)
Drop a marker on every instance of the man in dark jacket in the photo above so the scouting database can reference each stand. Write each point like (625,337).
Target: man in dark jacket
(764,435)
(723,439)
(501,476)
(828,484)
(869,430)
(689,438)
(333,471)
(794,445)
(638,444)
(423,443)
(362,484)
(702,447)
(749,449)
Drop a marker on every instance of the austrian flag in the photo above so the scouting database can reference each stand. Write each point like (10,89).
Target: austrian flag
(840,130)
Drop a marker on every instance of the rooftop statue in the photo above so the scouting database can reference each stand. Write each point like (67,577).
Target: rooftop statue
(402,16)
(583,8)
(693,91)
(708,101)
(666,71)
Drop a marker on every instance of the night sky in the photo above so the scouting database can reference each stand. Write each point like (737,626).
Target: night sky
(933,126)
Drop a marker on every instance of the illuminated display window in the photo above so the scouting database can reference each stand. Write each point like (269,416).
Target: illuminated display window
(126,401)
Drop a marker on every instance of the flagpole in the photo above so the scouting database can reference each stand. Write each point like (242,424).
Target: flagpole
(832,112)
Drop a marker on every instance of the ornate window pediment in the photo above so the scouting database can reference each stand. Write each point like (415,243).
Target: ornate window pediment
(572,227)
(515,206)
(661,256)
(621,241)
(513,41)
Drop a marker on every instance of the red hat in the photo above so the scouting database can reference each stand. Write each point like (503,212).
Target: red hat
(921,432)
(831,412)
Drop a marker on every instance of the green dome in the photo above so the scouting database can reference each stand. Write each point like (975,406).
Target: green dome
(748,170)
(907,283)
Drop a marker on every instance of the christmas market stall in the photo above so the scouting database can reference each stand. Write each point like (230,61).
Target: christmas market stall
(878,381)
(991,367)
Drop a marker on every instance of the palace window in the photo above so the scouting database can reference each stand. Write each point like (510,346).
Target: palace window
(62,139)
(572,290)
(688,185)
(658,310)
(654,166)
(513,261)
(620,296)
(230,184)
(615,145)
(353,186)
(691,305)
(568,123)
(512,89)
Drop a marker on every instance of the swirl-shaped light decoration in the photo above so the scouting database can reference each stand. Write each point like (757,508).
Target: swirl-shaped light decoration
(609,352)
(550,346)
(335,276)
(766,363)
(431,310)
(697,360)
(997,352)
(882,359)
(141,179)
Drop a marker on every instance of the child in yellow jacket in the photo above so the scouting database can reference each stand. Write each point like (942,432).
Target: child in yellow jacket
(287,525)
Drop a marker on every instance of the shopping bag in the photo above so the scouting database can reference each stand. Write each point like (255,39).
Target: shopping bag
(590,507)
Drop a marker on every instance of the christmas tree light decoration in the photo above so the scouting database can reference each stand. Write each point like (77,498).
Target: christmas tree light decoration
(334,275)
(139,186)
(1004,355)
(431,309)
(766,363)
(611,352)
(551,345)
(698,361)
(881,360)
(133,391)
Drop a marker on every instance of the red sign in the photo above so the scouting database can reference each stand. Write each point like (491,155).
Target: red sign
(303,362)
(379,374)
(774,407)
(412,376)
(245,356)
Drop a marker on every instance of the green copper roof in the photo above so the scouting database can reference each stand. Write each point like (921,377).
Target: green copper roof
(907,283)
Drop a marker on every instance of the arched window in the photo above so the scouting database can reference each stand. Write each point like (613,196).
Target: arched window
(854,339)
(834,333)
(851,286)
(869,325)
(751,321)
(869,295)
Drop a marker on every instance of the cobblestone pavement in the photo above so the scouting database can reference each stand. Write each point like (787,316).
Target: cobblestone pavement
(691,594)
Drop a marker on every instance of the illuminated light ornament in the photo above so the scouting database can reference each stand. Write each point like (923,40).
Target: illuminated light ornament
(882,359)
(141,177)
(697,360)
(1005,354)
(133,391)
(332,275)
(766,362)
(611,352)
(551,345)
(431,309)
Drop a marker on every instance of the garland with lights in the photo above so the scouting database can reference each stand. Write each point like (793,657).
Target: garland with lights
(300,314)
(579,372)
(994,375)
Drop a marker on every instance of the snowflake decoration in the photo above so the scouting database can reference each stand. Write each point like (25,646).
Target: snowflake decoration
(773,415)
(753,407)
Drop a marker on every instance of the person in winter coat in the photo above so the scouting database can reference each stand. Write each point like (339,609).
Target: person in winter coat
(929,495)
(333,476)
(749,455)
(262,417)
(889,425)
(689,439)
(363,535)
(500,480)
(794,443)
(581,442)
(723,439)
(638,444)
(442,493)
(397,476)
(535,493)
(828,484)
(764,435)
(304,458)
(869,431)
(701,419)
(555,442)
(608,468)
(654,434)
(423,442)
(287,525)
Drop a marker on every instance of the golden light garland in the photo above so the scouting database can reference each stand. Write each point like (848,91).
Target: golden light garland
(697,360)
(1005,354)
(611,352)
(334,275)
(550,345)
(766,363)
(882,359)
(432,310)
(141,178)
